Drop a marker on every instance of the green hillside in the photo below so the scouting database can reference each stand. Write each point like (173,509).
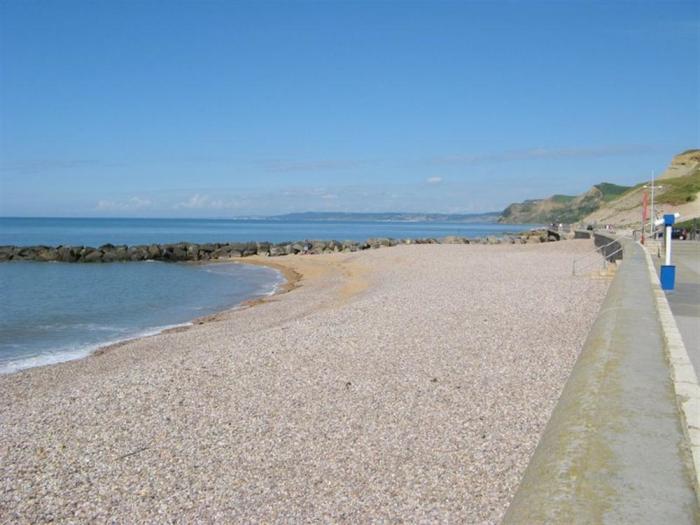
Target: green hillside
(681,189)
(563,199)
(562,208)
(611,191)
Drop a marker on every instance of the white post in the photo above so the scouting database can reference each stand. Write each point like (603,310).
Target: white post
(652,217)
(667,236)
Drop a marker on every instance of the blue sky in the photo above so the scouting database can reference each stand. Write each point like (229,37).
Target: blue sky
(224,108)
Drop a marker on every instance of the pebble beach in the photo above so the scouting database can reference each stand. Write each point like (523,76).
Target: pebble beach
(396,384)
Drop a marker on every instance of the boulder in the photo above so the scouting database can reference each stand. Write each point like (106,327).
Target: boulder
(46,254)
(334,246)
(23,254)
(349,246)
(68,253)
(7,252)
(92,255)
(317,246)
(194,251)
(378,242)
(138,253)
(179,253)
(278,250)
(453,239)
(263,248)
(223,251)
(121,253)
(249,248)
(110,256)
(166,253)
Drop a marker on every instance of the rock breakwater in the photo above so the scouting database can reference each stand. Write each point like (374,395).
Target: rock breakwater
(185,251)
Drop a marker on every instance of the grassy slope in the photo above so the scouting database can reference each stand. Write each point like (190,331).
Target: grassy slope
(689,224)
(680,190)
(612,191)
(562,199)
(564,208)
(677,191)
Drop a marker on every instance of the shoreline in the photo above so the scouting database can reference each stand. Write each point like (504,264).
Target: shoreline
(290,277)
(292,280)
(290,272)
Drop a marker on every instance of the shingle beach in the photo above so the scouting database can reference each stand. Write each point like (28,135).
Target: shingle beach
(398,384)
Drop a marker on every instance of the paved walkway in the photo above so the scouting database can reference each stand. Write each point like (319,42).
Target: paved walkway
(614,450)
(685,299)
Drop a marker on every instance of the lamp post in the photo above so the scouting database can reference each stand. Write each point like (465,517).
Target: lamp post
(645,196)
(652,215)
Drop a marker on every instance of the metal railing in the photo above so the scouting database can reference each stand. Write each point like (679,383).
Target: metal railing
(649,233)
(582,262)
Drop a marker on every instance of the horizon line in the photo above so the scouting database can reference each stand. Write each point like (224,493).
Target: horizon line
(252,216)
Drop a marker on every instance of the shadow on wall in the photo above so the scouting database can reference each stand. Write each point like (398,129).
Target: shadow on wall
(610,248)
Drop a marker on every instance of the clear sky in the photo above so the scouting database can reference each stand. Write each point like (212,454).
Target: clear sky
(223,108)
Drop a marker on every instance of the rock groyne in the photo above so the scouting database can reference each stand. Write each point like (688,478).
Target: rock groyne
(186,251)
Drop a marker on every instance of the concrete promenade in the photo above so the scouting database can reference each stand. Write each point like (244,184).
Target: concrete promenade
(614,450)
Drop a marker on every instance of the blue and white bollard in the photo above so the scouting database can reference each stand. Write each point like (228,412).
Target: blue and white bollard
(668,271)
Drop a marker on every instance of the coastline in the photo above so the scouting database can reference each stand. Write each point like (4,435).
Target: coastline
(292,280)
(392,383)
(288,280)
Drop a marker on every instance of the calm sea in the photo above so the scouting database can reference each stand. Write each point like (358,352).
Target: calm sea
(94,232)
(52,312)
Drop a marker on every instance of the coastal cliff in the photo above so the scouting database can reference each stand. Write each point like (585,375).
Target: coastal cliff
(562,208)
(678,189)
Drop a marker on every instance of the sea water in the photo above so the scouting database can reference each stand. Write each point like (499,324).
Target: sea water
(94,232)
(52,312)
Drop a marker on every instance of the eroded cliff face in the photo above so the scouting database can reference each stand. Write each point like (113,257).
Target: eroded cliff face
(562,208)
(682,165)
(679,192)
(531,211)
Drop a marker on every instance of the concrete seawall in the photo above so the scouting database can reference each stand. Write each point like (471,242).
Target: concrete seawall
(610,248)
(614,449)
